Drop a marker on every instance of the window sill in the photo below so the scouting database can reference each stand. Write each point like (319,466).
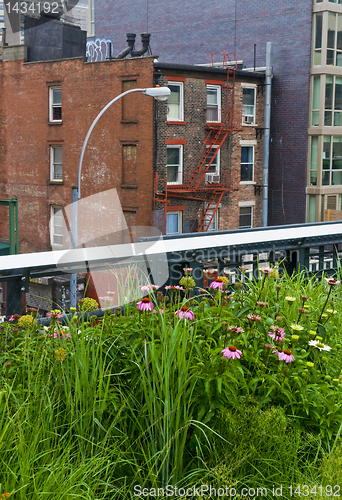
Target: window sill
(249,124)
(55,123)
(176,122)
(56,182)
(129,186)
(175,184)
(247,182)
(213,124)
(129,121)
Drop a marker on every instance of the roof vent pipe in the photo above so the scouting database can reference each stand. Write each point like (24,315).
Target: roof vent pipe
(145,40)
(129,48)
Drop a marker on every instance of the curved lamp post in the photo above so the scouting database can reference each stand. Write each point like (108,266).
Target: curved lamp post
(159,93)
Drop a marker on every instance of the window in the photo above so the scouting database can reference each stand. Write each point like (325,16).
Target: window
(334,40)
(213,103)
(56,170)
(129,164)
(248,105)
(247,163)
(332,161)
(333,101)
(246,214)
(318,39)
(56,226)
(213,172)
(173,222)
(55,104)
(313,161)
(316,88)
(312,208)
(175,102)
(174,164)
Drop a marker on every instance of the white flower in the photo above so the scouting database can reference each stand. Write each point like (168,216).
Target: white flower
(319,345)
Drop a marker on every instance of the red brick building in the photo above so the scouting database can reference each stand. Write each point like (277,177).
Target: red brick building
(46,111)
(211,141)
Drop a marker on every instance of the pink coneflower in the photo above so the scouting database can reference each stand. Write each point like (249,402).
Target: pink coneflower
(184,313)
(236,329)
(61,335)
(331,281)
(253,317)
(154,287)
(266,270)
(217,283)
(231,352)
(269,346)
(155,311)
(145,304)
(174,287)
(262,304)
(187,270)
(284,355)
(54,314)
(278,333)
(145,288)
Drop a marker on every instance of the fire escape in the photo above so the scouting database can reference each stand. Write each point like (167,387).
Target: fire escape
(204,184)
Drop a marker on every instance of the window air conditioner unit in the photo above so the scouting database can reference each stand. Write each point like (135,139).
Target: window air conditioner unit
(211,178)
(248,118)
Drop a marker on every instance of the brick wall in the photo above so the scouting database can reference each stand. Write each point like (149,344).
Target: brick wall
(203,29)
(194,132)
(26,136)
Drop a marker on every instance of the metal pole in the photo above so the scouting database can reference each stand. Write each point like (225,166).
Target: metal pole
(73,277)
(267,121)
(91,129)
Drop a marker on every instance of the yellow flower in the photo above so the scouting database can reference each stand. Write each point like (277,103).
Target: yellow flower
(224,279)
(27,321)
(60,354)
(296,327)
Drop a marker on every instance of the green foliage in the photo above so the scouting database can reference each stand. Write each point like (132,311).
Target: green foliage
(88,305)
(91,409)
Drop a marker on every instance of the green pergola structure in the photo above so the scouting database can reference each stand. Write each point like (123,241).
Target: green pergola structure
(10,245)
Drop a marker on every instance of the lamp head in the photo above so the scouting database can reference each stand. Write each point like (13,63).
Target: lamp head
(159,93)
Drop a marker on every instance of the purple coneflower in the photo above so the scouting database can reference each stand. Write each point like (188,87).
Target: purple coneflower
(145,304)
(184,313)
(284,355)
(236,329)
(278,333)
(217,283)
(262,304)
(253,317)
(231,352)
(267,270)
(331,281)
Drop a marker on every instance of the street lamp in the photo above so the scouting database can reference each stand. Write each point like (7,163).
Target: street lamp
(160,94)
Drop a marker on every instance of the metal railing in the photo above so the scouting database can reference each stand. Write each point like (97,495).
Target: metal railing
(315,247)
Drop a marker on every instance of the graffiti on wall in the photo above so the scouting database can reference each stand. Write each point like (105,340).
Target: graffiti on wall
(98,50)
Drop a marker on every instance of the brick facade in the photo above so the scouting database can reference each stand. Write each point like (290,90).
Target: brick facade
(192,134)
(26,137)
(189,33)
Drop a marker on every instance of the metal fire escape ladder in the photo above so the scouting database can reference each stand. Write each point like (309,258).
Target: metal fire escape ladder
(215,141)
(210,210)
